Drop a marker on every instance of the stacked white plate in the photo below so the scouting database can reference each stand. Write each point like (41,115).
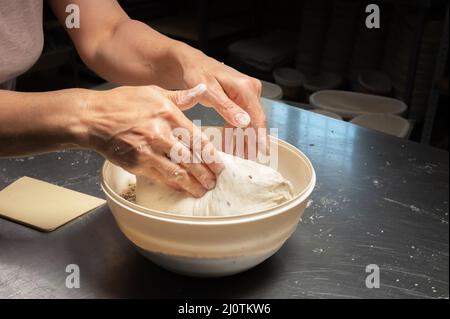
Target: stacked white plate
(267,51)
(314,27)
(369,46)
(271,91)
(350,104)
(327,113)
(339,44)
(290,80)
(425,69)
(322,81)
(399,48)
(372,82)
(386,123)
(398,53)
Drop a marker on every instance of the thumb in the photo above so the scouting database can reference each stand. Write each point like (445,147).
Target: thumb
(185,99)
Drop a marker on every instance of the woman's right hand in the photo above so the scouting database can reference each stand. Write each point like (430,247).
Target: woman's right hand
(133,128)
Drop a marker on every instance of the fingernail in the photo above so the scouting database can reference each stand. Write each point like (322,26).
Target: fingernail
(210,184)
(199,193)
(242,118)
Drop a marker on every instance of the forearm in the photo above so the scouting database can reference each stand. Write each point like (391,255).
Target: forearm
(126,51)
(135,54)
(33,123)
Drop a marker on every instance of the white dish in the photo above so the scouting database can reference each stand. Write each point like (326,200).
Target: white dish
(327,113)
(322,81)
(374,82)
(290,80)
(350,104)
(288,77)
(271,91)
(386,123)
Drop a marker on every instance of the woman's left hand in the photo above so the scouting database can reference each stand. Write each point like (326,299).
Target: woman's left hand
(235,96)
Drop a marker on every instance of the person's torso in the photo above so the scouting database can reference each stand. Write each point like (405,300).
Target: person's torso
(21,37)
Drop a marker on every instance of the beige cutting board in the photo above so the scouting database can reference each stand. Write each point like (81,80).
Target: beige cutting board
(42,205)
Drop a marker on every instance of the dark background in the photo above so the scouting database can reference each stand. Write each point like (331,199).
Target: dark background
(313,36)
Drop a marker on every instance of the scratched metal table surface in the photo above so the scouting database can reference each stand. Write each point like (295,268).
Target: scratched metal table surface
(378,200)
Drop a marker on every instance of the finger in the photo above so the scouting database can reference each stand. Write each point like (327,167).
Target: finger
(174,174)
(258,120)
(185,99)
(155,175)
(240,142)
(228,139)
(248,95)
(200,145)
(261,132)
(229,110)
(148,162)
(181,154)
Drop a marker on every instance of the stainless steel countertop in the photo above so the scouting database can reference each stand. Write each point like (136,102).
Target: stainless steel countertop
(378,200)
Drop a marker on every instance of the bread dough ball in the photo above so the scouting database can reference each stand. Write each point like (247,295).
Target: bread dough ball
(244,186)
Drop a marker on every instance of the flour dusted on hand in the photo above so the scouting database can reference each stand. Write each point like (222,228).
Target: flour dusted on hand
(243,187)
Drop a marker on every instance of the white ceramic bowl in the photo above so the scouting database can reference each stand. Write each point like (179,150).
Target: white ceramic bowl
(322,81)
(374,82)
(211,246)
(271,91)
(290,80)
(327,113)
(386,123)
(350,104)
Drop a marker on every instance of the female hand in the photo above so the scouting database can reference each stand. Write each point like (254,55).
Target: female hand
(133,128)
(232,94)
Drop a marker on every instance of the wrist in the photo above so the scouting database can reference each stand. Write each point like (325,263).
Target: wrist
(187,59)
(80,120)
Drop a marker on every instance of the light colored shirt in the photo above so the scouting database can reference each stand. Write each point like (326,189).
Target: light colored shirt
(21,38)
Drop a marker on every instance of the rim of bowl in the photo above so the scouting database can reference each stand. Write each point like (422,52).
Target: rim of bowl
(250,216)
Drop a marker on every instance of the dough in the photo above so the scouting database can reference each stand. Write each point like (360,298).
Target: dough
(243,187)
